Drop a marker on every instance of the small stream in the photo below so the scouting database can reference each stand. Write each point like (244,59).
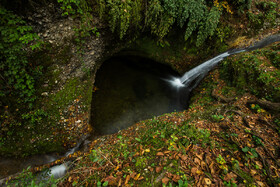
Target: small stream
(127,90)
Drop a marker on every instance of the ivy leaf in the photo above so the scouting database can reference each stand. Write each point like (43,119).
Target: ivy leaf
(245,149)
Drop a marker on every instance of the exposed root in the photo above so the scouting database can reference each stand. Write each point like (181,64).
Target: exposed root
(266,104)
(222,98)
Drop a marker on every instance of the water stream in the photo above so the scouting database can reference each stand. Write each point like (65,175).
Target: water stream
(192,78)
(130,89)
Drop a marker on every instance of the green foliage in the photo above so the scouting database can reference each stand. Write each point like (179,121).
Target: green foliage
(174,134)
(230,184)
(27,178)
(217,118)
(34,117)
(17,74)
(121,13)
(257,108)
(241,5)
(254,72)
(267,13)
(250,152)
(160,16)
(209,26)
(80,8)
(73,7)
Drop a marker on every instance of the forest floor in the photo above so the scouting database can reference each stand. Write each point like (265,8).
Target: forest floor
(218,141)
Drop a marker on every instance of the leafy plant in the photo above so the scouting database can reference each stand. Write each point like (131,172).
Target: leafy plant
(222,163)
(17,74)
(27,178)
(160,16)
(257,108)
(253,152)
(230,183)
(218,118)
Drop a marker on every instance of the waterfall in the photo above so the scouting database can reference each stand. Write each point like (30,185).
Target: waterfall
(192,78)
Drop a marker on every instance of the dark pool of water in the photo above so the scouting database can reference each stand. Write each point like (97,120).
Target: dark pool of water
(130,89)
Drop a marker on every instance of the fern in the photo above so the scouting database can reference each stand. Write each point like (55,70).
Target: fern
(209,25)
(196,11)
(101,7)
(122,13)
(159,16)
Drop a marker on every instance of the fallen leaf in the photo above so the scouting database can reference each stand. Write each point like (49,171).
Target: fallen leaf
(127,179)
(111,180)
(203,165)
(200,156)
(196,171)
(176,178)
(117,167)
(160,154)
(253,172)
(132,175)
(212,170)
(120,182)
(184,157)
(230,176)
(260,183)
(137,176)
(165,180)
(197,161)
(207,181)
(158,169)
(188,147)
(259,164)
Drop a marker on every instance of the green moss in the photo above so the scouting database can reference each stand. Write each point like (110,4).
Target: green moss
(254,72)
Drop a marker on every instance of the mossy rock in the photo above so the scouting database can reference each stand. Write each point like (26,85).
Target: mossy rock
(256,72)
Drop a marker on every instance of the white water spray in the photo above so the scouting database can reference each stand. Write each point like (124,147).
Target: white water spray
(198,73)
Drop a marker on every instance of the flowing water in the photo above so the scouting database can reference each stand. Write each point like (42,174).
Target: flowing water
(130,89)
(193,77)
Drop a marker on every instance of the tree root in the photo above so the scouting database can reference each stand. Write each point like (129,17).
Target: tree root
(222,98)
(266,104)
(254,133)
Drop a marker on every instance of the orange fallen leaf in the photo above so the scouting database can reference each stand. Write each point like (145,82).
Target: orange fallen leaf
(117,167)
(212,170)
(176,178)
(253,172)
(197,161)
(160,154)
(127,179)
(260,183)
(165,180)
(158,169)
(184,157)
(200,156)
(111,180)
(207,181)
(120,182)
(132,175)
(137,176)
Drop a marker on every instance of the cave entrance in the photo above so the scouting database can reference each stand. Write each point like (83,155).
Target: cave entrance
(129,89)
